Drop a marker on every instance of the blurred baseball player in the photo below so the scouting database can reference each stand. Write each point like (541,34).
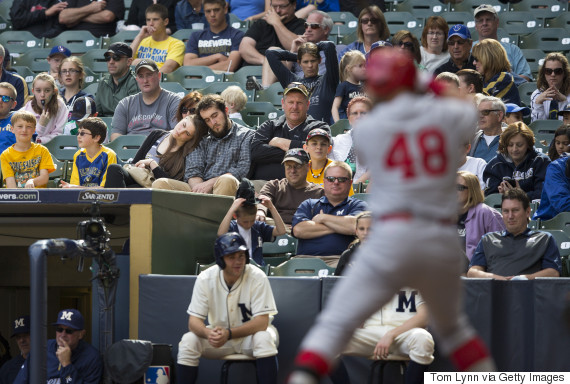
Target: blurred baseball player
(411,144)
(237,300)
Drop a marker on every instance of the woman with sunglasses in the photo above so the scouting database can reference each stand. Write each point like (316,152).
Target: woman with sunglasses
(163,152)
(72,78)
(518,163)
(553,88)
(407,42)
(371,28)
(491,61)
(475,217)
(188,105)
(434,43)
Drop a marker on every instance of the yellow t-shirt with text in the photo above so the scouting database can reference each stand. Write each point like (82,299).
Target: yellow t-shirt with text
(23,166)
(160,51)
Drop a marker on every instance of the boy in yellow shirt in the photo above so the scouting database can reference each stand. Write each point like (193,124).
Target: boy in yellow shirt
(25,164)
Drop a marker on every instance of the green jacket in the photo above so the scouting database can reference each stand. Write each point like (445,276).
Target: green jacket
(108,94)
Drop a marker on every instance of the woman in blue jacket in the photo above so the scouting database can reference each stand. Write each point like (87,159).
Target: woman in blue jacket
(517,164)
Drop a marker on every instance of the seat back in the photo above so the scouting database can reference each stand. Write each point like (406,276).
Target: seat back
(542,9)
(310,266)
(122,36)
(34,59)
(402,20)
(254,114)
(194,77)
(559,222)
(339,127)
(494,200)
(534,58)
(525,91)
(175,87)
(94,59)
(273,94)
(77,42)
(520,22)
(20,41)
(63,147)
(126,146)
(420,8)
(283,245)
(470,5)
(545,127)
(547,39)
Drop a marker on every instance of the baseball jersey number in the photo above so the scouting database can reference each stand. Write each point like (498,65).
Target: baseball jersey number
(431,144)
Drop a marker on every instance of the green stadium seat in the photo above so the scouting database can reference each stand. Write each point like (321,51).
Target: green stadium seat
(5,24)
(545,127)
(519,22)
(525,91)
(34,59)
(91,77)
(240,76)
(284,245)
(255,113)
(361,196)
(95,60)
(63,147)
(302,267)
(547,39)
(60,173)
(339,127)
(347,39)
(453,18)
(123,36)
(92,88)
(420,9)
(126,146)
(184,34)
(534,58)
(175,87)
(20,41)
(273,94)
(78,42)
(340,30)
(194,77)
(218,88)
(562,21)
(494,200)
(560,221)
(502,34)
(5,9)
(562,240)
(542,9)
(26,73)
(402,20)
(470,5)
(237,23)
(344,18)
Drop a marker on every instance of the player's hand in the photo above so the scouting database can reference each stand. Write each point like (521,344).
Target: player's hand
(56,8)
(272,18)
(63,352)
(382,348)
(218,337)
(30,184)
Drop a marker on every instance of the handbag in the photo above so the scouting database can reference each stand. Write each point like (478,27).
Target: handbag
(143,176)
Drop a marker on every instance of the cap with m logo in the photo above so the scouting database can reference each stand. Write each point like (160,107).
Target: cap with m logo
(21,325)
(71,318)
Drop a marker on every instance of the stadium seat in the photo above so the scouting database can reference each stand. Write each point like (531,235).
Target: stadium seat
(5,9)
(123,36)
(420,9)
(542,9)
(20,41)
(453,18)
(545,126)
(78,42)
(534,58)
(560,221)
(194,77)
(240,76)
(26,73)
(184,34)
(340,30)
(255,113)
(402,20)
(284,245)
(5,24)
(520,22)
(525,91)
(344,18)
(470,5)
(562,21)
(60,173)
(273,94)
(91,77)
(339,127)
(218,88)
(175,87)
(547,39)
(237,23)
(562,239)
(126,146)
(494,200)
(95,60)
(63,147)
(347,39)
(310,266)
(362,196)
(92,88)
(34,59)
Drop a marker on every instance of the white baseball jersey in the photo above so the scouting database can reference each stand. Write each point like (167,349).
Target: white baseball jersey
(249,297)
(401,308)
(411,145)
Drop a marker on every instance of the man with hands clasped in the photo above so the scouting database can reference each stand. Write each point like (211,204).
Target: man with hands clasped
(69,358)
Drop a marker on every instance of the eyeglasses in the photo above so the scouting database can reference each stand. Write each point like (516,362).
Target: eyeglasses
(69,71)
(7,99)
(485,112)
(83,133)
(332,179)
(114,57)
(556,71)
(188,110)
(461,188)
(436,34)
(66,330)
(278,7)
(456,42)
(406,45)
(366,20)
(312,25)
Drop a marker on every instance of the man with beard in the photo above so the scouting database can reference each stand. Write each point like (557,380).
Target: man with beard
(221,159)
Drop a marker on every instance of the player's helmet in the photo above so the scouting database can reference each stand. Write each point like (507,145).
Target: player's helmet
(229,243)
(389,69)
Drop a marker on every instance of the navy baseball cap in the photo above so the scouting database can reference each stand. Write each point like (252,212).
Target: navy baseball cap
(565,110)
(121,49)
(376,45)
(82,108)
(459,30)
(71,318)
(59,50)
(21,325)
(512,108)
(297,155)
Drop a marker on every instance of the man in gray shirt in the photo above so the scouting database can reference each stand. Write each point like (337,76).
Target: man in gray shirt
(152,108)
(221,159)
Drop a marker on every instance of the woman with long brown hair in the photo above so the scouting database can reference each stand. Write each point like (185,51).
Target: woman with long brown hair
(553,88)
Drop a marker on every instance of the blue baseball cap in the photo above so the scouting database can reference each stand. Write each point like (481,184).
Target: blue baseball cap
(71,318)
(59,50)
(512,108)
(459,30)
(378,44)
(21,325)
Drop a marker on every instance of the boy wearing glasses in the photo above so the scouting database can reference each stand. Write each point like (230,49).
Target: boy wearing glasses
(69,358)
(25,164)
(119,83)
(90,163)
(7,103)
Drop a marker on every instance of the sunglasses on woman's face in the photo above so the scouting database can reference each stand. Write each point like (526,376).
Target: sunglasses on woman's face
(188,110)
(366,20)
(556,71)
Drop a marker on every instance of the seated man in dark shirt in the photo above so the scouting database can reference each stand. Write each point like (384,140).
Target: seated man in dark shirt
(459,45)
(518,252)
(98,17)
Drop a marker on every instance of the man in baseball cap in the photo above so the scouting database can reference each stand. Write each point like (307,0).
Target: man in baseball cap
(515,113)
(69,358)
(565,113)
(487,24)
(119,83)
(56,55)
(21,332)
(459,46)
